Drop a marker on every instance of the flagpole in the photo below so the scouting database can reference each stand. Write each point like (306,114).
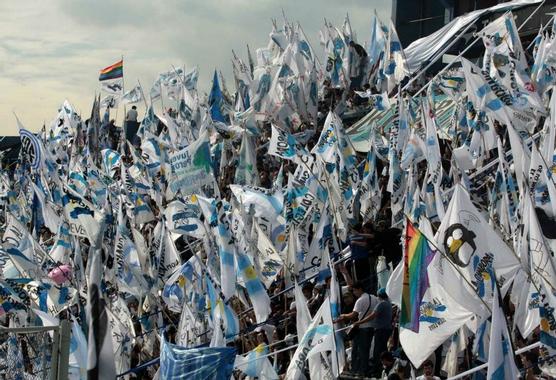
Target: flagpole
(550,21)
(144,98)
(124,124)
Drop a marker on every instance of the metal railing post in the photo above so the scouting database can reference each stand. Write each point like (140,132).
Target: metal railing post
(63,358)
(54,358)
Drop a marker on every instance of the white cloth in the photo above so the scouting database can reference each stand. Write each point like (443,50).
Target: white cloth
(362,308)
(425,48)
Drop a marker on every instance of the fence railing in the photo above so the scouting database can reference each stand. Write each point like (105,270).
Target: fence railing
(39,352)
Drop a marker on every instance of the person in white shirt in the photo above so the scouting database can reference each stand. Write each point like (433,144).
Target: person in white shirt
(131,126)
(428,371)
(364,305)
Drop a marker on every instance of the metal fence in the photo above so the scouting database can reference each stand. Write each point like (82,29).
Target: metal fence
(40,353)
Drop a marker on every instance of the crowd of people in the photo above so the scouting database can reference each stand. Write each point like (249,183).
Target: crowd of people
(261,221)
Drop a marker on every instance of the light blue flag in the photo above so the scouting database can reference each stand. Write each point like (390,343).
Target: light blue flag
(255,289)
(111,160)
(181,363)
(377,44)
(219,223)
(221,312)
(176,288)
(501,363)
(78,182)
(216,102)
(256,364)
(481,342)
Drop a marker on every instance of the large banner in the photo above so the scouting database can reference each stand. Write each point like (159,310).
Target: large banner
(191,167)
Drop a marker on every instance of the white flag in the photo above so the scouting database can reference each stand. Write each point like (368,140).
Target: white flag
(501,364)
(135,95)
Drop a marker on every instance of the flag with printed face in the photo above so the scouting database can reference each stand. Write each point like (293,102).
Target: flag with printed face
(472,245)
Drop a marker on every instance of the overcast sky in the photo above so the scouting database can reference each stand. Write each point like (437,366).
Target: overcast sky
(53,50)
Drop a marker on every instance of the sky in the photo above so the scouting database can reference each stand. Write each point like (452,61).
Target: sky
(53,50)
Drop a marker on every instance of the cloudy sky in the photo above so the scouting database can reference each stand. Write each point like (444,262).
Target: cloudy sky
(52,50)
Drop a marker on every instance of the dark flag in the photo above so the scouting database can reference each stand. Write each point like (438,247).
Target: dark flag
(100,360)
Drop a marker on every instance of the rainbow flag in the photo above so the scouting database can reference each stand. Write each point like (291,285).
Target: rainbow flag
(112,72)
(417,256)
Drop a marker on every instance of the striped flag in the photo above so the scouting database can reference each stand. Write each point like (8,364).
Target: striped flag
(417,256)
(112,72)
(257,293)
(31,147)
(256,364)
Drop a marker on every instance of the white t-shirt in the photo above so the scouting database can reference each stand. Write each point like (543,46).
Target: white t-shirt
(362,305)
(423,377)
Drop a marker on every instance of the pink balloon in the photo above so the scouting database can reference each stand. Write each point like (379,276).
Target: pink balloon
(60,274)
